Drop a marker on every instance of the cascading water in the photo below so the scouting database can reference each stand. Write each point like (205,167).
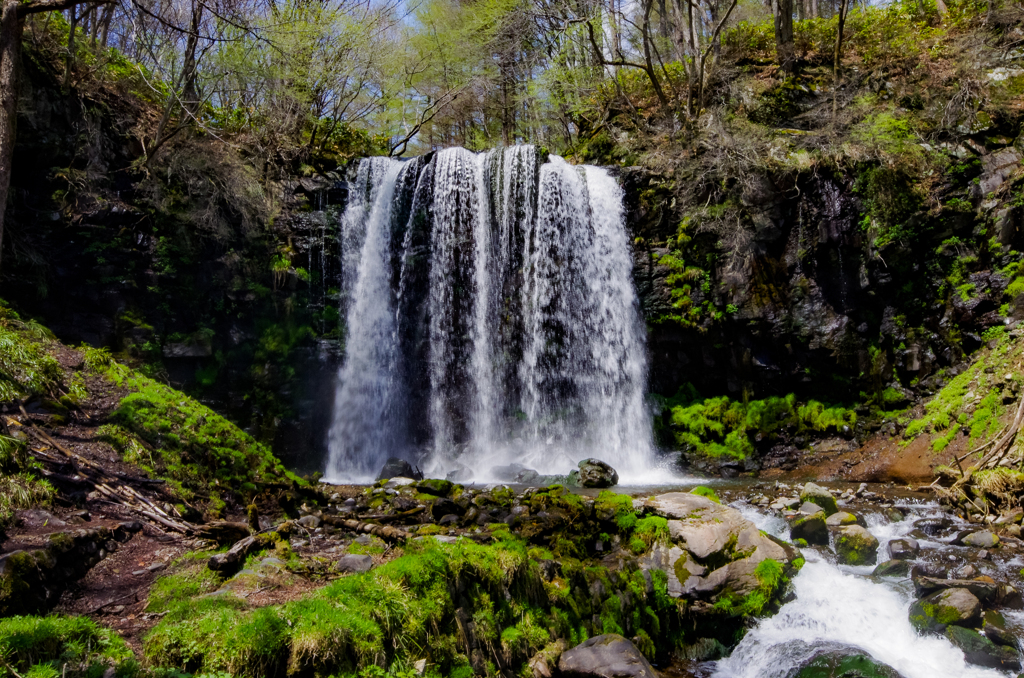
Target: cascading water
(490,317)
(843,609)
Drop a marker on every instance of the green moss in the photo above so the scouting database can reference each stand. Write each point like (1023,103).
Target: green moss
(704,491)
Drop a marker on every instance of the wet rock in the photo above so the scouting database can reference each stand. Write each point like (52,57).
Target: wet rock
(839,664)
(596,473)
(993,627)
(842,519)
(984,540)
(987,591)
(1013,516)
(981,651)
(951,607)
(810,508)
(892,568)
(605,656)
(352,563)
(965,572)
(396,467)
(856,546)
(811,529)
(435,486)
(933,527)
(903,549)
(816,494)
(928,569)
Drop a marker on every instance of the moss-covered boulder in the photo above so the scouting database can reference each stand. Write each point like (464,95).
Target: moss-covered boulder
(435,486)
(993,627)
(981,651)
(843,518)
(856,546)
(811,528)
(816,494)
(839,664)
(951,607)
(982,540)
(596,473)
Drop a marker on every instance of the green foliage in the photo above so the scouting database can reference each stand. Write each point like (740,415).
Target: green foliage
(891,199)
(62,646)
(770,576)
(720,427)
(26,369)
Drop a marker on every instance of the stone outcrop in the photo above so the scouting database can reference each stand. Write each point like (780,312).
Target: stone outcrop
(605,656)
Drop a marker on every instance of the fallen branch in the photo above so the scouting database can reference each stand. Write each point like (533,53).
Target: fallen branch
(385,532)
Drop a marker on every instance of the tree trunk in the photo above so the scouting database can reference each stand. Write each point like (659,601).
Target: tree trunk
(837,57)
(784,35)
(10,61)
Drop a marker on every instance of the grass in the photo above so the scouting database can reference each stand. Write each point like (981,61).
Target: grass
(973,400)
(62,646)
(380,622)
(26,369)
(178,438)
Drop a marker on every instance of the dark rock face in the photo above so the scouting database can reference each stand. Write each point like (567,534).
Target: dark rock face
(606,656)
(811,529)
(840,664)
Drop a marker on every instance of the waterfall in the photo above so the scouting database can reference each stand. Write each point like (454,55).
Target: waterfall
(490,319)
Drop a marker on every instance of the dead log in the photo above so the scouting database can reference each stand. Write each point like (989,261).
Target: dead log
(385,532)
(223,532)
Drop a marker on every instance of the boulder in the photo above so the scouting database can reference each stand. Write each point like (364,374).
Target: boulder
(982,540)
(1011,517)
(596,473)
(817,494)
(442,506)
(811,529)
(396,467)
(981,651)
(951,607)
(712,548)
(352,563)
(309,522)
(932,570)
(605,656)
(986,591)
(809,508)
(903,549)
(34,519)
(435,486)
(892,568)
(856,546)
(839,664)
(544,664)
(842,519)
(993,627)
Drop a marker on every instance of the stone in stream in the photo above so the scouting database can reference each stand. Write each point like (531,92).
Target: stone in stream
(993,627)
(396,467)
(981,651)
(856,546)
(817,494)
(596,473)
(892,568)
(809,508)
(811,529)
(1013,516)
(933,526)
(982,540)
(932,570)
(903,549)
(951,607)
(605,656)
(838,664)
(842,519)
(986,591)
(703,531)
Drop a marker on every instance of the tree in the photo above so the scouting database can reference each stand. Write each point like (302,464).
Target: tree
(12,22)
(784,48)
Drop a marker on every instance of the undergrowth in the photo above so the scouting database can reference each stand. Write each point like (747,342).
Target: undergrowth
(62,646)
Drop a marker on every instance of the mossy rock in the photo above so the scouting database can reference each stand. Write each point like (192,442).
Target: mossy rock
(839,665)
(818,495)
(892,568)
(809,529)
(950,607)
(435,486)
(981,651)
(856,546)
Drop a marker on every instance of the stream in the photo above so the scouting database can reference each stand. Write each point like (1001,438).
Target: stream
(839,607)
